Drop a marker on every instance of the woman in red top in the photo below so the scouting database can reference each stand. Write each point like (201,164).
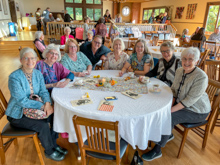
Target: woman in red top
(65,37)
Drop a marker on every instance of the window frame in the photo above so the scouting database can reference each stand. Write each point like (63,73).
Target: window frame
(153,10)
(84,6)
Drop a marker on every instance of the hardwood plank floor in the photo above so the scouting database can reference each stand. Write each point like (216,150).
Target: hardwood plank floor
(25,153)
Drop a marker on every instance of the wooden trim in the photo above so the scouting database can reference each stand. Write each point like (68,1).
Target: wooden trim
(189,22)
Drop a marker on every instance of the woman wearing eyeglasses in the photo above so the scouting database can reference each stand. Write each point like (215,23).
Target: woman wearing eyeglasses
(52,70)
(74,60)
(23,83)
(166,67)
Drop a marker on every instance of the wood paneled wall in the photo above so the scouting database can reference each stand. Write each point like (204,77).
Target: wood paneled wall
(135,12)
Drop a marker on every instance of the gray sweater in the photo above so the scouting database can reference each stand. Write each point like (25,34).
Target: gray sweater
(192,93)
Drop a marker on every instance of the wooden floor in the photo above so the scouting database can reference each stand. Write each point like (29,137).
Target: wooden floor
(25,153)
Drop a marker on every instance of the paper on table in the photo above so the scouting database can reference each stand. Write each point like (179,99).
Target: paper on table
(131,94)
(80,102)
(105,102)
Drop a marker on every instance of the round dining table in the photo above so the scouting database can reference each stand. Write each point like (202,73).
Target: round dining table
(140,120)
(155,51)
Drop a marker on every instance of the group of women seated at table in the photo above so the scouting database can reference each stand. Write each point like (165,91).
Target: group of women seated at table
(188,83)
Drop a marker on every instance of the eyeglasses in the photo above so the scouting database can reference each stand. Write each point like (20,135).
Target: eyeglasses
(54,54)
(165,51)
(97,43)
(185,59)
(29,58)
(72,47)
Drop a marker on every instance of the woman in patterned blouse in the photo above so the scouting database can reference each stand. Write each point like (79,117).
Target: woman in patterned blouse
(140,61)
(117,58)
(74,60)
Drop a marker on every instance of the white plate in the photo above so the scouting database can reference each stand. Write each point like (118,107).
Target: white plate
(153,91)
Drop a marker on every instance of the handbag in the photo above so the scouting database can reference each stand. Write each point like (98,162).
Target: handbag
(136,159)
(35,113)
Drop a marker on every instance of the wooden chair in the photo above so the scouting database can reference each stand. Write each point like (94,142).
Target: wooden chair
(11,133)
(212,45)
(131,43)
(212,69)
(185,44)
(97,144)
(213,86)
(195,43)
(100,66)
(107,42)
(203,57)
(148,37)
(216,121)
(35,49)
(155,40)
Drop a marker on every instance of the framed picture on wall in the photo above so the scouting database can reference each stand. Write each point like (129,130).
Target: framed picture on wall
(5,7)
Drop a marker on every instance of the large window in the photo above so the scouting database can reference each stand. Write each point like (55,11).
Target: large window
(148,11)
(78,9)
(212,18)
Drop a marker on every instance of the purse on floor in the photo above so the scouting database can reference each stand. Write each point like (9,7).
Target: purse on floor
(35,113)
(136,159)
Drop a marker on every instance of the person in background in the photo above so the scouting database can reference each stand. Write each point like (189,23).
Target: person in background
(140,61)
(183,37)
(51,17)
(38,19)
(67,17)
(39,42)
(86,28)
(101,29)
(46,18)
(116,59)
(66,36)
(159,18)
(190,101)
(52,70)
(94,50)
(59,18)
(164,17)
(113,30)
(166,67)
(215,36)
(90,36)
(197,29)
(107,16)
(23,83)
(74,60)
(200,36)
(151,19)
(118,18)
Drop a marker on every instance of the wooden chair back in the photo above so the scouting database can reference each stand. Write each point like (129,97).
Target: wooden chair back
(35,49)
(203,57)
(107,42)
(97,136)
(212,45)
(212,70)
(3,104)
(100,67)
(148,37)
(195,43)
(155,40)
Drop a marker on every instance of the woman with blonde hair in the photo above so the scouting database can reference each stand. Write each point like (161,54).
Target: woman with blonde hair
(59,18)
(140,61)
(74,60)
(184,33)
(116,59)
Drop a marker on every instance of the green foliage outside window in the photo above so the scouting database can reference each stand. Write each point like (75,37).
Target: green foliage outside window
(78,13)
(212,18)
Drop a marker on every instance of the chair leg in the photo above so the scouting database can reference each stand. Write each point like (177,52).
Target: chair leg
(183,142)
(16,141)
(214,122)
(126,155)
(205,136)
(36,142)
(2,151)
(83,157)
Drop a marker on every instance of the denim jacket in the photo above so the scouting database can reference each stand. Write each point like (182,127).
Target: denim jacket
(20,92)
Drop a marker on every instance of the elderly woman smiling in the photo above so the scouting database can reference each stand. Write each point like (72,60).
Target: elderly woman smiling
(166,67)
(52,70)
(39,42)
(66,36)
(23,83)
(116,59)
(140,60)
(74,60)
(190,101)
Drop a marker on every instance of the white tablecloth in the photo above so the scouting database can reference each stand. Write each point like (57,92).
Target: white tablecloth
(155,51)
(146,118)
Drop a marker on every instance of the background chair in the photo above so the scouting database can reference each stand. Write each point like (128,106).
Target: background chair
(213,86)
(97,144)
(203,57)
(155,41)
(131,43)
(12,133)
(107,42)
(212,69)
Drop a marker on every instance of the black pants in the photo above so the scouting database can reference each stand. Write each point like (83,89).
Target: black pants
(38,25)
(43,127)
(182,116)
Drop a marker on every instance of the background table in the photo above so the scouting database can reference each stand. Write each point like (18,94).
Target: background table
(155,51)
(146,118)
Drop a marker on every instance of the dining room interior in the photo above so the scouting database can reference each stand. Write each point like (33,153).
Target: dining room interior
(139,118)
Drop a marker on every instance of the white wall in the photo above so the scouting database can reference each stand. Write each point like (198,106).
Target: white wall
(4,19)
(183,23)
(108,5)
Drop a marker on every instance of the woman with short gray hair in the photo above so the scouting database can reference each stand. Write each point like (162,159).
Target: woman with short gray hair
(66,35)
(39,42)
(52,70)
(166,67)
(190,101)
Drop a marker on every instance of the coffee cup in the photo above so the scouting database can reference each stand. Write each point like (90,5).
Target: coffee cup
(146,79)
(155,87)
(131,74)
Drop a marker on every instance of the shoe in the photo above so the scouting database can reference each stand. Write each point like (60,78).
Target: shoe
(170,138)
(151,155)
(57,156)
(61,150)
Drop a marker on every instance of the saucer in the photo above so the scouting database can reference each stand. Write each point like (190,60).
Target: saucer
(153,91)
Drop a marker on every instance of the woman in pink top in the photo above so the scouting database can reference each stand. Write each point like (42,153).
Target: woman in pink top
(65,37)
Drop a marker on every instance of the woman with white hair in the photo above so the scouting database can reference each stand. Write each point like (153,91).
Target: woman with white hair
(24,83)
(39,42)
(183,37)
(66,35)
(52,70)
(116,59)
(190,101)
(89,36)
